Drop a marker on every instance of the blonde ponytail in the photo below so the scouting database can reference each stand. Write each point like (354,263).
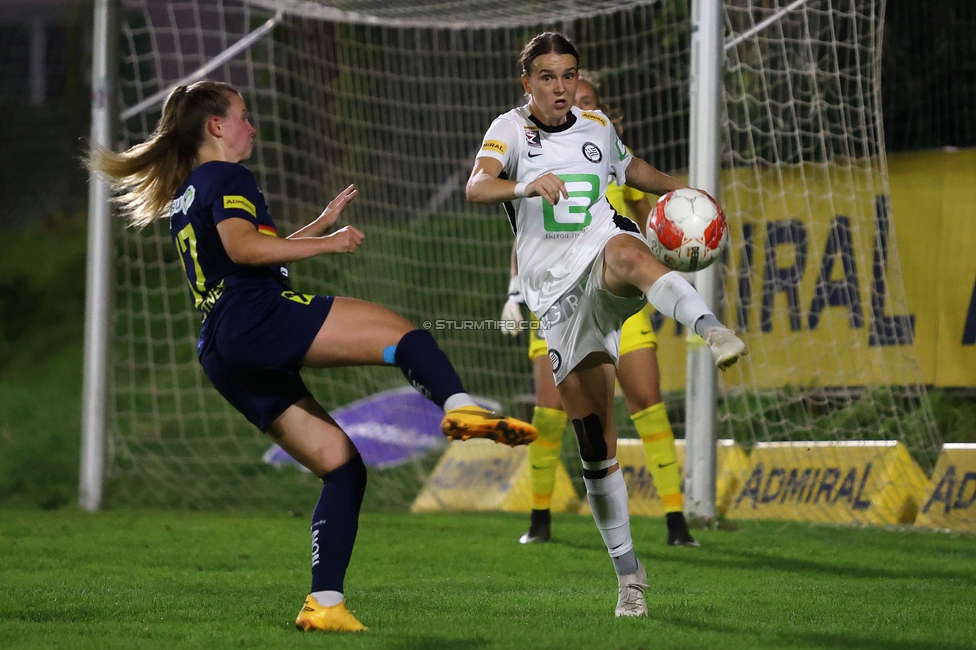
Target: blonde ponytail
(146,176)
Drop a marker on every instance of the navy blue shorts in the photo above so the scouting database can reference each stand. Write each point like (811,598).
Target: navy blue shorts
(251,348)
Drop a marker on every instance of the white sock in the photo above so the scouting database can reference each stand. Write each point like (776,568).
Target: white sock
(674,297)
(458,400)
(608,501)
(328,598)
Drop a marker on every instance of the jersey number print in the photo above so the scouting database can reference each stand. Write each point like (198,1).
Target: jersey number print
(186,241)
(572,214)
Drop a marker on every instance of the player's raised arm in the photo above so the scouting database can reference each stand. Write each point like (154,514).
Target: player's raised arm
(646,178)
(246,245)
(328,217)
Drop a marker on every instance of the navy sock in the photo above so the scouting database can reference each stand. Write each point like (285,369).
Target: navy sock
(335,523)
(426,367)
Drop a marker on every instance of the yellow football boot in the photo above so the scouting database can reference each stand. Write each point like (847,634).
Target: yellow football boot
(327,619)
(475,422)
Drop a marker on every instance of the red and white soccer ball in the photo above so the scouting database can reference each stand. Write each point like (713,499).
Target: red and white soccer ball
(687,230)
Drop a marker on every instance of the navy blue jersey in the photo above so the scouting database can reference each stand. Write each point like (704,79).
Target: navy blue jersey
(216,191)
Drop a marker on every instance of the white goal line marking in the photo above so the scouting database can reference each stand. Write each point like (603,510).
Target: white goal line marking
(201,72)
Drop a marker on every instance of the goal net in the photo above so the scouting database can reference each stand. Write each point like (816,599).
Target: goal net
(395,97)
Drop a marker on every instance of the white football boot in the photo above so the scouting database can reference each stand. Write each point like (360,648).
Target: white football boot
(726,347)
(630,593)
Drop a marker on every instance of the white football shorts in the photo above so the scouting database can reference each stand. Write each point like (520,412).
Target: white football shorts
(586,319)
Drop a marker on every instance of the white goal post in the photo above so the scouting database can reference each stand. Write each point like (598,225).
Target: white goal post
(98,278)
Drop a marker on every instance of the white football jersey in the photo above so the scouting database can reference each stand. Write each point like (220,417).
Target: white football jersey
(556,244)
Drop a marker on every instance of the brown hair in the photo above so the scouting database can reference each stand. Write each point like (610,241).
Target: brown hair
(148,174)
(545,43)
(616,116)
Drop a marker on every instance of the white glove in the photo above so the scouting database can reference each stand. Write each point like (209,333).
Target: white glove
(512,311)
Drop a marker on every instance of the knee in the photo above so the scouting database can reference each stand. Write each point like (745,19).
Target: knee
(353,471)
(627,260)
(416,334)
(641,400)
(414,339)
(405,331)
(548,398)
(593,446)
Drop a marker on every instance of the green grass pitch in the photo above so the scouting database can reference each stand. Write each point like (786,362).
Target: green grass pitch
(126,579)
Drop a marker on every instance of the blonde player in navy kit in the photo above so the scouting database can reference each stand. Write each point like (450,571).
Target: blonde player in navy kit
(637,372)
(258,333)
(584,269)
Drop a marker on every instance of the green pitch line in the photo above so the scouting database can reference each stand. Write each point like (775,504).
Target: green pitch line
(203,580)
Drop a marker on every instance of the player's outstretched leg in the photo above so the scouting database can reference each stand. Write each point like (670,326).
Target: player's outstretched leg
(466,422)
(426,366)
(673,296)
(725,346)
(543,462)
(628,262)
(359,333)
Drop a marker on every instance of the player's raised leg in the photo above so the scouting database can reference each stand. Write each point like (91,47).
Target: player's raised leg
(358,332)
(629,265)
(587,394)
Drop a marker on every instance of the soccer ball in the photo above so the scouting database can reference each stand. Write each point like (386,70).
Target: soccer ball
(687,230)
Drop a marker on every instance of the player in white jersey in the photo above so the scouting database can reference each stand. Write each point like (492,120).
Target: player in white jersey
(637,372)
(584,269)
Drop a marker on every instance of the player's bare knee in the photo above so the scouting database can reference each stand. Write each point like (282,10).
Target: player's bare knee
(621,263)
(640,396)
(592,445)
(640,402)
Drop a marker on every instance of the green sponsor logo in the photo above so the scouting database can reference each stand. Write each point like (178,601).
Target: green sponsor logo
(572,214)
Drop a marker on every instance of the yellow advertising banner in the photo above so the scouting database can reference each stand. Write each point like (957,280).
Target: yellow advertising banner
(817,258)
(951,500)
(642,496)
(482,475)
(862,482)
(933,197)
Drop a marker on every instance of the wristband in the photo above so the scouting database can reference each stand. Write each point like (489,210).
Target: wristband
(520,190)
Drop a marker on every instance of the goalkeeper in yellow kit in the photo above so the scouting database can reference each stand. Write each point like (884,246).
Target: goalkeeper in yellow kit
(638,374)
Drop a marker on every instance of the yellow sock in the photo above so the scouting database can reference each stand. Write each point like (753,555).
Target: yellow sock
(544,454)
(662,458)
